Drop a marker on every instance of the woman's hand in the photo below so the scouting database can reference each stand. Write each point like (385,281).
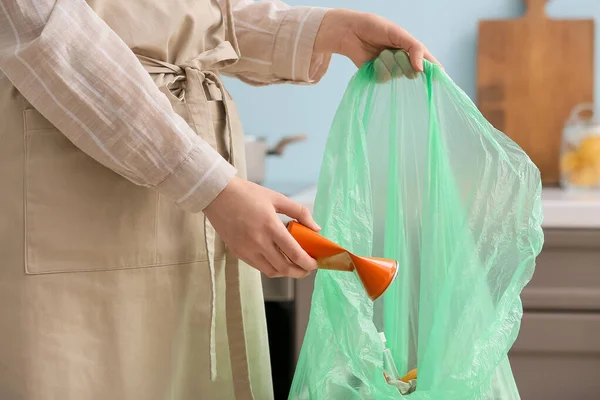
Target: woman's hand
(362,37)
(245,217)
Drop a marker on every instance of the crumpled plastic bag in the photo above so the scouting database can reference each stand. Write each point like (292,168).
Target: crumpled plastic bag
(412,171)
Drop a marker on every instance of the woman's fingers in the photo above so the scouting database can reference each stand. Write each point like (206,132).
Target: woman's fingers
(430,57)
(264,266)
(244,215)
(404,62)
(282,264)
(292,250)
(284,205)
(416,51)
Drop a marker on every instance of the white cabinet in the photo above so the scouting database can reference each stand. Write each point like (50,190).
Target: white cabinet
(557,353)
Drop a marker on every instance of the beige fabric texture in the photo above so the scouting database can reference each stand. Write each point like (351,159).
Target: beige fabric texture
(78,68)
(110,289)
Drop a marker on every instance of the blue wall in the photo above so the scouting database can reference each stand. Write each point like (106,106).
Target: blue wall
(448,28)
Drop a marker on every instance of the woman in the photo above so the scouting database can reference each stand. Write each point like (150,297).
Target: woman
(121,155)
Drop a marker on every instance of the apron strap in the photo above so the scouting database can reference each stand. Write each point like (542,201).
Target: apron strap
(240,368)
(209,241)
(200,70)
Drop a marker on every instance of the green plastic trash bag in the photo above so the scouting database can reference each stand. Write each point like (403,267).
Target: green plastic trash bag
(413,172)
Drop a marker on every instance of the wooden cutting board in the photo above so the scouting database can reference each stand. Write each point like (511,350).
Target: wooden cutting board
(531,72)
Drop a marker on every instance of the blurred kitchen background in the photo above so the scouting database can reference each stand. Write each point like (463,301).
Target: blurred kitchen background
(557,355)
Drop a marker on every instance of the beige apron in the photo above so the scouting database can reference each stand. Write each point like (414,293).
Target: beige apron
(109,291)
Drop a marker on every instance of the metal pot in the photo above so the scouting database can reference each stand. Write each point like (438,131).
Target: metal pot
(257,149)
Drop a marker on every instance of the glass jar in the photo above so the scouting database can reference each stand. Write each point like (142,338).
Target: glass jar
(580,150)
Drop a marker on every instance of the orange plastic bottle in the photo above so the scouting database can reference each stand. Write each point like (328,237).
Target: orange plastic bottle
(376,274)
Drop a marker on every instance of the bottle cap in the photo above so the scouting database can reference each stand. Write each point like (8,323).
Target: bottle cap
(382,336)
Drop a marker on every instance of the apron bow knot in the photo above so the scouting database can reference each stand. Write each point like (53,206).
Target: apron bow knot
(201,69)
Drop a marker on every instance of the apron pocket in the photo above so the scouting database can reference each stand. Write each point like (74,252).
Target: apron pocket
(79,215)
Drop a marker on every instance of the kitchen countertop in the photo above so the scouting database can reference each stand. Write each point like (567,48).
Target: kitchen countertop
(562,209)
(568,209)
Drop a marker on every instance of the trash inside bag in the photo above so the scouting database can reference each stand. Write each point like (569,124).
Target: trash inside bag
(413,172)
